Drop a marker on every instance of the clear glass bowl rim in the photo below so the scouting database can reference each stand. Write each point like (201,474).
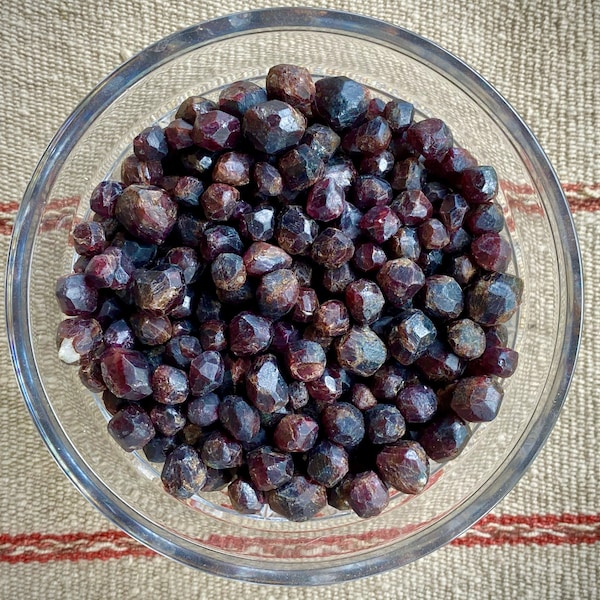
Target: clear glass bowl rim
(163,51)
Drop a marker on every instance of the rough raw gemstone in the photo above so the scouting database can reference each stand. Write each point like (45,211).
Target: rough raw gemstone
(322,139)
(341,169)
(479,184)
(331,318)
(296,433)
(485,218)
(405,244)
(300,168)
(241,420)
(186,260)
(216,130)
(388,381)
(445,437)
(442,297)
(197,162)
(193,106)
(108,311)
(206,374)
(131,428)
(217,479)
(337,496)
(178,134)
(218,201)
(431,261)
(258,224)
(399,115)
(111,269)
(369,191)
(145,172)
(305,360)
(291,84)
(298,394)
(400,279)
(78,338)
(349,221)
(364,301)
(265,386)
(362,397)
(491,252)
(454,162)
(412,207)
(380,222)
(273,126)
(182,349)
(404,466)
(269,469)
(75,295)
(336,280)
(220,451)
(239,96)
(158,290)
(378,165)
(433,235)
(430,137)
(459,241)
(146,212)
(439,364)
(204,411)
(341,101)
(183,473)
(496,360)
(361,352)
(159,447)
(327,463)
(267,179)
(385,424)
(277,293)
(326,200)
(411,336)
(368,496)
(343,424)
(312,334)
(494,298)
(369,257)
(295,232)
(232,168)
(212,335)
(249,334)
(417,403)
(332,248)
(284,334)
(328,388)
(151,329)
(298,500)
(408,174)
(90,374)
(104,198)
(376,108)
(452,211)
(169,385)
(218,239)
(373,136)
(126,373)
(462,269)
(306,305)
(228,272)
(89,238)
(167,420)
(466,338)
(477,399)
(244,497)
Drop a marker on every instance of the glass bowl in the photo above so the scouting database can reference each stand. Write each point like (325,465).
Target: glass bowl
(203,532)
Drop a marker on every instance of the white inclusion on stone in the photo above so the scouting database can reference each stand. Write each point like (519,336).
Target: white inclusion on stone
(67,352)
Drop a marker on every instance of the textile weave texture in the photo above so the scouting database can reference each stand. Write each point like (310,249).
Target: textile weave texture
(543,539)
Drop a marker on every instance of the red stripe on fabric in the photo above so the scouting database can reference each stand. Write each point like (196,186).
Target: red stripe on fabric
(538,530)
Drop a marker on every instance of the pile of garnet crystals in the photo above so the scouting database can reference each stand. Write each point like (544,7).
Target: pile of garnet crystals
(295,293)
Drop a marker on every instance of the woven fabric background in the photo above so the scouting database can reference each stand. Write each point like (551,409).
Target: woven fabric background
(543,540)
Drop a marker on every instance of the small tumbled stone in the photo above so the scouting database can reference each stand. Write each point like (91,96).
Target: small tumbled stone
(341,101)
(298,500)
(78,338)
(322,140)
(269,468)
(300,167)
(327,463)
(232,168)
(466,338)
(158,290)
(364,301)
(238,418)
(445,437)
(494,298)
(332,248)
(362,397)
(75,295)
(295,231)
(249,334)
(442,297)
(380,222)
(477,399)
(361,352)
(277,293)
(479,184)
(258,223)
(412,207)
(206,373)
(296,433)
(204,411)
(325,200)
(417,403)
(430,137)
(268,179)
(228,271)
(385,424)
(305,360)
(265,386)
(291,84)
(331,318)
(126,373)
(404,466)
(219,451)
(239,96)
(244,497)
(193,106)
(491,252)
(131,428)
(104,198)
(178,134)
(400,279)
(368,496)
(216,130)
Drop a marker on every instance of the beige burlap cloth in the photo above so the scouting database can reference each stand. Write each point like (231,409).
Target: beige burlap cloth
(542,541)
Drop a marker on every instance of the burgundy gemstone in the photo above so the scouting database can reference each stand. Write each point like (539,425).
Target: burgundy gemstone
(430,137)
(325,200)
(343,424)
(417,403)
(249,334)
(277,293)
(131,428)
(218,201)
(134,170)
(336,280)
(232,168)
(151,329)
(186,259)
(332,248)
(433,235)
(477,399)
(306,305)
(146,212)
(298,500)
(220,451)
(479,184)
(361,352)
(327,463)
(296,433)
(341,101)
(412,207)
(485,218)
(404,466)
(439,364)
(193,106)
(378,165)
(218,239)
(388,381)
(491,252)
(216,130)
(400,279)
(342,169)
(158,290)
(78,338)
(409,338)
(399,115)
(228,272)
(262,258)
(408,174)
(182,349)
(212,335)
(349,221)
(265,385)
(369,257)
(111,269)
(104,198)
(269,469)
(89,238)
(284,334)
(454,162)
(405,244)
(328,388)
(244,497)
(462,269)
(331,318)
(300,167)
(90,374)
(291,84)
(295,231)
(167,420)
(452,211)
(362,397)
(496,360)
(75,295)
(385,424)
(466,338)
(442,297)
(380,222)
(183,473)
(169,385)
(364,301)
(241,420)
(206,373)
(370,191)
(305,360)
(268,179)
(374,136)
(204,411)
(258,224)
(273,126)
(239,96)
(179,134)
(322,139)
(298,394)
(368,495)
(494,298)
(445,437)
(126,373)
